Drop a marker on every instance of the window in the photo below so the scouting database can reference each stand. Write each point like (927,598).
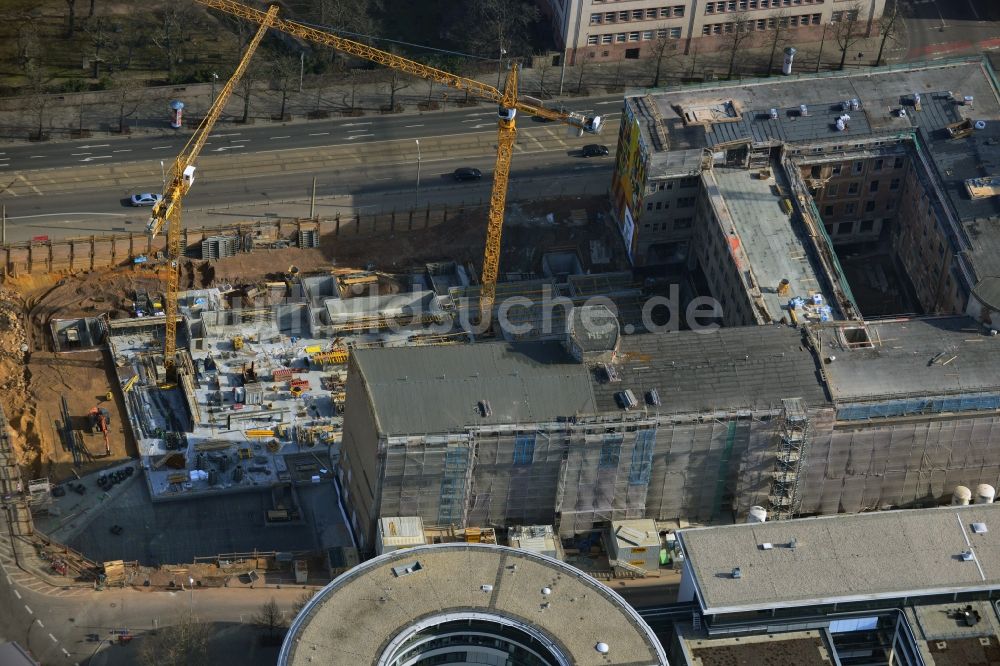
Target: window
(762,24)
(867,226)
(831,190)
(606,39)
(685,202)
(828,210)
(609,17)
(631,54)
(850,207)
(894,184)
(852,188)
(651,13)
(753,4)
(678,11)
(524,449)
(873,186)
(661,33)
(898,164)
(837,169)
(642,458)
(659,186)
(649,206)
(878,164)
(845,228)
(731,6)
(859,166)
(793,21)
(665,12)
(659,205)
(689,182)
(592,40)
(706,30)
(596,18)
(638,14)
(683,223)
(647,34)
(611,451)
(622,16)
(869,206)
(710,8)
(620,37)
(717,29)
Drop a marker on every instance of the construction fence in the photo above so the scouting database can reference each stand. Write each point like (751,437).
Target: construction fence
(65,255)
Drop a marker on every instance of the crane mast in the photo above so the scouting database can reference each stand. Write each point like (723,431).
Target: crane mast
(167,211)
(508,103)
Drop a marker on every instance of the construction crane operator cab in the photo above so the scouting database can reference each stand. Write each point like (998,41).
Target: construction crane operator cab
(593,124)
(506,114)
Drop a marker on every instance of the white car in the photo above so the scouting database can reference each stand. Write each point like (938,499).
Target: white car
(145,199)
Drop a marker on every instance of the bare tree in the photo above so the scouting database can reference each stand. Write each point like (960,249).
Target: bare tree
(171,35)
(582,63)
(125,100)
(543,68)
(29,46)
(183,643)
(269,616)
(779,35)
(284,75)
(70,18)
(889,27)
(246,88)
(100,37)
(132,36)
(38,100)
(662,46)
(492,25)
(395,82)
(737,32)
(847,30)
(300,603)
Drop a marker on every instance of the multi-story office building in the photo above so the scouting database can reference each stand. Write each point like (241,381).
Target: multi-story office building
(608,30)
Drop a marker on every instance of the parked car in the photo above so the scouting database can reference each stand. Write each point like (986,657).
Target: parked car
(467,173)
(594,150)
(58,491)
(145,199)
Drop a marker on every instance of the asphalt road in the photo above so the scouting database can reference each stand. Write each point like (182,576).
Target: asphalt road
(82,187)
(939,28)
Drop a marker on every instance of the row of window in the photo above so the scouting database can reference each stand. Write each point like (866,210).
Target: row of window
(846,15)
(847,228)
(676,11)
(680,224)
(851,207)
(643,35)
(833,189)
(859,165)
(743,5)
(762,24)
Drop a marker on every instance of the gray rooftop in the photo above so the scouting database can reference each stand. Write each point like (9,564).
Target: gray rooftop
(926,356)
(353,618)
(776,248)
(752,367)
(843,558)
(435,389)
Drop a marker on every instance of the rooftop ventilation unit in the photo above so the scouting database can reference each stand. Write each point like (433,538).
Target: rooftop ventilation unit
(653,398)
(484,408)
(774,114)
(968,555)
(610,373)
(803,110)
(627,399)
(737,573)
(979,528)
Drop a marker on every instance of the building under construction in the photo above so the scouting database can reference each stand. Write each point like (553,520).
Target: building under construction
(687,426)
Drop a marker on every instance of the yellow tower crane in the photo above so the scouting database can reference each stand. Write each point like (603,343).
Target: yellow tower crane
(509,105)
(168,210)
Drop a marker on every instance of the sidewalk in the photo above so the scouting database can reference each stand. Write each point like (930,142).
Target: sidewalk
(96,113)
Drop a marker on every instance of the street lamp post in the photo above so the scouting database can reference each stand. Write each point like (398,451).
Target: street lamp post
(416,194)
(215,77)
(163,176)
(190,595)
(503,52)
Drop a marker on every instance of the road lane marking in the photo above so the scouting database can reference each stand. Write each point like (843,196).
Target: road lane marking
(9,581)
(40,624)
(319,134)
(286,136)
(412,125)
(28,608)
(358,136)
(35,157)
(97,157)
(222,148)
(79,154)
(28,217)
(97,145)
(355,124)
(29,184)
(67,654)
(123,150)
(219,136)
(17,594)
(607,103)
(54,639)
(160,147)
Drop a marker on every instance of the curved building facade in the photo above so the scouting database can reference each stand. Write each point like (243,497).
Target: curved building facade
(468,604)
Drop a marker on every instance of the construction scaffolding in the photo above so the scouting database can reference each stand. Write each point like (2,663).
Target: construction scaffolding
(793,438)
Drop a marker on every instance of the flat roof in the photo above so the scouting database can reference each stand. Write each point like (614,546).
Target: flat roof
(802,648)
(775,248)
(881,555)
(432,389)
(921,356)
(495,581)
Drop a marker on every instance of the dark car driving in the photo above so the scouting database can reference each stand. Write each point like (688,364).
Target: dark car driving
(467,173)
(594,150)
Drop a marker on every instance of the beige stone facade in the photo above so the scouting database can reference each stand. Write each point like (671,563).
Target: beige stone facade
(609,30)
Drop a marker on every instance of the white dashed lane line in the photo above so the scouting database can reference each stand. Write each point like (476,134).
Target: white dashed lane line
(17,594)
(28,608)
